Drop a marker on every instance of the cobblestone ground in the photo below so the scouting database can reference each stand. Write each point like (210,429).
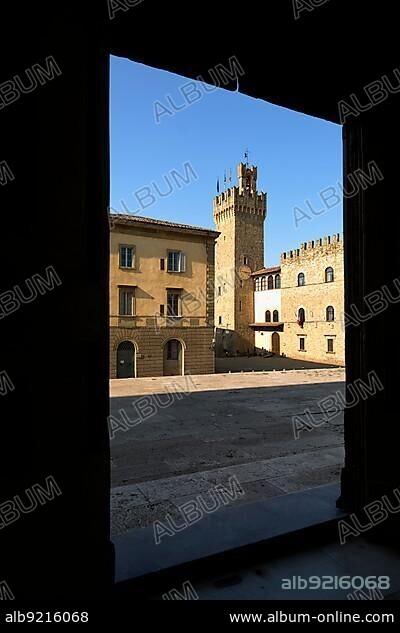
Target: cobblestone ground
(210,428)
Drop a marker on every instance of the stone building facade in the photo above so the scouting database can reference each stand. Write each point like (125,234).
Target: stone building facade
(239,215)
(295,309)
(312,297)
(299,305)
(161,298)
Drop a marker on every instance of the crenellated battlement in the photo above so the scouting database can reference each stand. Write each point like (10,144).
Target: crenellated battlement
(232,202)
(233,194)
(241,200)
(325,244)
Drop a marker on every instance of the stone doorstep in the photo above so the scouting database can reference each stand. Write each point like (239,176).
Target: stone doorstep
(275,471)
(225,530)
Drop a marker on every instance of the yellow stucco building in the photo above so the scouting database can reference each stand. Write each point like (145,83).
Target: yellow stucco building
(161,297)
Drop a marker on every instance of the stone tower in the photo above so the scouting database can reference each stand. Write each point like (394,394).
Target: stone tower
(239,214)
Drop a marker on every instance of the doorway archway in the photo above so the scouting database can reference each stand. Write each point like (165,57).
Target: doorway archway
(276,343)
(173,358)
(126,360)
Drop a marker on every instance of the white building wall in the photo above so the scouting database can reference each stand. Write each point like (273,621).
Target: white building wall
(263,341)
(265,300)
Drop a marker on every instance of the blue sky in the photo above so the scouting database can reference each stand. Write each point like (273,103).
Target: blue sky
(297,156)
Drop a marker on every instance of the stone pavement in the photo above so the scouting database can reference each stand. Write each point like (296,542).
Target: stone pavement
(225,425)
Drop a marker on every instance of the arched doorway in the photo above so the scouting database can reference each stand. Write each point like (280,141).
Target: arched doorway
(173,358)
(126,360)
(276,343)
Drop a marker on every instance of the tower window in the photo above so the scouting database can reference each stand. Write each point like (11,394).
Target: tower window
(240,306)
(301,280)
(267,316)
(302,344)
(245,260)
(219,291)
(330,348)
(219,320)
(277,281)
(275,316)
(330,313)
(329,274)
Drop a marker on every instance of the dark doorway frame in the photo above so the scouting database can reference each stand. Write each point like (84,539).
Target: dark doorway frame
(276,343)
(126,359)
(56,142)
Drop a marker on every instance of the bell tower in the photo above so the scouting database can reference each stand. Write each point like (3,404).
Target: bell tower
(247,177)
(239,214)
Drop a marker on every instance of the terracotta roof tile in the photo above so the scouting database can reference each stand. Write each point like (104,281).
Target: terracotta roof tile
(264,271)
(125,218)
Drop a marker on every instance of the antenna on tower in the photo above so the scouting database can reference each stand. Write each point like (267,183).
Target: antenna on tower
(246,156)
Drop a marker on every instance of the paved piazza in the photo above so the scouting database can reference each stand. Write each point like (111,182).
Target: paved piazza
(233,424)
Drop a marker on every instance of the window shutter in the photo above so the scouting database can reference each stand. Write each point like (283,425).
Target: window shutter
(183,263)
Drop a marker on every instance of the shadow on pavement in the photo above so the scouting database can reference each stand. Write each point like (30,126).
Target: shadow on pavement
(258,363)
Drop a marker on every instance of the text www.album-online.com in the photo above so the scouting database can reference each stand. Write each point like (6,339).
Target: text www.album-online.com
(338,617)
